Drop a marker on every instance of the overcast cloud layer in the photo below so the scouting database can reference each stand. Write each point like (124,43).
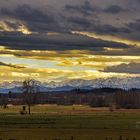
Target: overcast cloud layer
(84,29)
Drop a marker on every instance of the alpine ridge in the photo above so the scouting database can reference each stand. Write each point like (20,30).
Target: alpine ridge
(123,83)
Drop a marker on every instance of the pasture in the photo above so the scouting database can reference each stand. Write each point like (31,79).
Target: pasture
(53,122)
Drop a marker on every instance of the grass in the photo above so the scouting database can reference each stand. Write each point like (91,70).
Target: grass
(65,122)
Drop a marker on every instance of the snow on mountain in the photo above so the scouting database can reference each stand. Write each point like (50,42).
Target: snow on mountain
(124,83)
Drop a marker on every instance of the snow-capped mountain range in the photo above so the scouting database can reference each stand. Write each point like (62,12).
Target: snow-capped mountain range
(123,83)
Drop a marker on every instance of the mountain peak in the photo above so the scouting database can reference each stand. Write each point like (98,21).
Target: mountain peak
(123,83)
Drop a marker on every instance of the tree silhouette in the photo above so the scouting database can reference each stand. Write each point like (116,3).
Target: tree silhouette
(29,91)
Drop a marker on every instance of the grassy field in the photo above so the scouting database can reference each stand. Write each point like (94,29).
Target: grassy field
(52,122)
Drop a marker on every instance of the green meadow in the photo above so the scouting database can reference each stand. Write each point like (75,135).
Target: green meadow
(52,122)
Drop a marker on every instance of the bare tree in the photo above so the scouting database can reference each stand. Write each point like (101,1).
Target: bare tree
(29,91)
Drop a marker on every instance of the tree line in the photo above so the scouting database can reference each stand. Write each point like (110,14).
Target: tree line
(95,98)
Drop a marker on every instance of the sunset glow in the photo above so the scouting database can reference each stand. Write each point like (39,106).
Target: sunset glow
(36,41)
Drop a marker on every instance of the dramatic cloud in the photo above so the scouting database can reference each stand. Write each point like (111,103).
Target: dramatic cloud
(135,25)
(86,9)
(60,42)
(114,9)
(35,19)
(85,39)
(125,68)
(38,20)
(110,30)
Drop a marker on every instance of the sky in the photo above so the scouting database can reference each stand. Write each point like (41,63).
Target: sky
(58,40)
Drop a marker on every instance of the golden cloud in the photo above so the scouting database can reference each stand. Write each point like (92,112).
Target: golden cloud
(71,58)
(10,74)
(20,27)
(108,38)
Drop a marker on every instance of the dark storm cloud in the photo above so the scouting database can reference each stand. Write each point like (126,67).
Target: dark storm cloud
(27,13)
(85,24)
(11,65)
(35,19)
(114,9)
(135,25)
(109,29)
(78,23)
(86,9)
(46,21)
(132,51)
(93,23)
(132,68)
(91,16)
(59,42)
